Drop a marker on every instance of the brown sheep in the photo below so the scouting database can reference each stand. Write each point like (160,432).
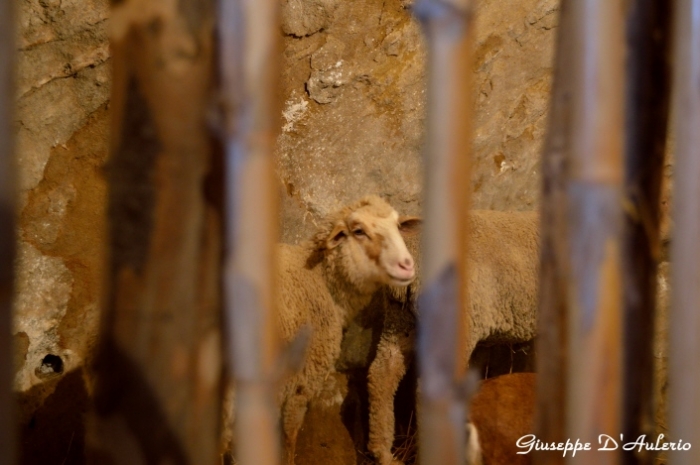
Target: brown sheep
(324,283)
(503,267)
(502,412)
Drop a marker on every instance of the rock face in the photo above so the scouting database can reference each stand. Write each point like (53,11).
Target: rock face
(62,76)
(354,92)
(353,111)
(513,75)
(63,85)
(353,87)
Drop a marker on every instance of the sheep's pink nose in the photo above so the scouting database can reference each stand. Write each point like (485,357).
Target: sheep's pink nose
(406,264)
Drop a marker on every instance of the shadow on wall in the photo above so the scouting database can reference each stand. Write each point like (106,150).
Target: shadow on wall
(53,428)
(127,412)
(54,433)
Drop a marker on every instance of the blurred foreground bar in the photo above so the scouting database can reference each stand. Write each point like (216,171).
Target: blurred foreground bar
(648,90)
(7,231)
(580,346)
(442,327)
(158,366)
(684,327)
(249,56)
(594,191)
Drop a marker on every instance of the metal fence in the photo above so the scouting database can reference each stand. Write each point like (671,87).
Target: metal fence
(602,163)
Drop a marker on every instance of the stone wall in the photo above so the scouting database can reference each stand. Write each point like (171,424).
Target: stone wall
(354,93)
(63,85)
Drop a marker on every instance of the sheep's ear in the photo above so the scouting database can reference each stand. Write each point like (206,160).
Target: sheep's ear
(337,235)
(410,225)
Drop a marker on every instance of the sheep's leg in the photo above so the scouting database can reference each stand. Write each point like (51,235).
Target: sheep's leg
(385,374)
(474,456)
(293,413)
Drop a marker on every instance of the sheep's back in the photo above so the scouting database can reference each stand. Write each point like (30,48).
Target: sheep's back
(302,294)
(503,273)
(304,299)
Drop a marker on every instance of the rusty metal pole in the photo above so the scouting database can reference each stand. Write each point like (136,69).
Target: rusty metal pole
(249,54)
(158,361)
(594,188)
(7,231)
(684,337)
(580,335)
(552,339)
(443,323)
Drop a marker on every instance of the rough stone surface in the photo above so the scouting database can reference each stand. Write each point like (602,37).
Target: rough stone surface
(304,17)
(62,76)
(353,113)
(354,95)
(63,86)
(60,277)
(513,74)
(44,288)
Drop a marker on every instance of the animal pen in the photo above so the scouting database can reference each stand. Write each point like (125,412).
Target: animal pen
(183,260)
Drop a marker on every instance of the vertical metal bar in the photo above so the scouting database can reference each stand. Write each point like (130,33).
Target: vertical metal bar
(157,365)
(249,54)
(7,231)
(552,341)
(684,337)
(594,196)
(443,323)
(648,96)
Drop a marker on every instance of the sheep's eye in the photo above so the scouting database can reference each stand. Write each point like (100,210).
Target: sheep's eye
(359,232)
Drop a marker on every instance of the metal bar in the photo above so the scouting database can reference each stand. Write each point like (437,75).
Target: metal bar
(443,323)
(158,362)
(595,172)
(249,56)
(684,327)
(552,341)
(7,231)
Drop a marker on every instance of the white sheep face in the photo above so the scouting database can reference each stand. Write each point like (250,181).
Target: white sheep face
(370,245)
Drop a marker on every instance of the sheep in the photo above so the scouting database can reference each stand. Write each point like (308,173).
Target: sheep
(323,283)
(503,269)
(501,413)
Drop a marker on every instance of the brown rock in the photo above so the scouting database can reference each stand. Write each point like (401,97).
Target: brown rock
(304,17)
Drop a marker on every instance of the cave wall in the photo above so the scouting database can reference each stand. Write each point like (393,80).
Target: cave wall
(62,88)
(354,92)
